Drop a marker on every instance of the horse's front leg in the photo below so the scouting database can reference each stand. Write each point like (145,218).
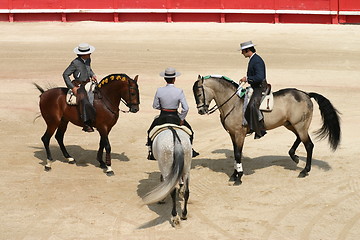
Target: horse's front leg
(238,169)
(104,143)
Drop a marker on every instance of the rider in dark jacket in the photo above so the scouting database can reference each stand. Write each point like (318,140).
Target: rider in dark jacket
(82,73)
(256,77)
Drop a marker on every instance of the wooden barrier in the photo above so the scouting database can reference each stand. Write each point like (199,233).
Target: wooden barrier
(261,11)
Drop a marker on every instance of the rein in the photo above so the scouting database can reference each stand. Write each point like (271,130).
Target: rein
(216,107)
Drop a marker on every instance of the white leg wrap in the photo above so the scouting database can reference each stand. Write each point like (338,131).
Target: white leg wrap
(71,160)
(238,167)
(109,169)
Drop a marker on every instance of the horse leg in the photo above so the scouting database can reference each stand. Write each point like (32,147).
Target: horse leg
(295,145)
(238,169)
(46,140)
(175,219)
(309,146)
(106,144)
(59,136)
(292,150)
(186,198)
(100,154)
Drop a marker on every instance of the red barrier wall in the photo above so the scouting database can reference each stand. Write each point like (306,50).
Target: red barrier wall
(268,11)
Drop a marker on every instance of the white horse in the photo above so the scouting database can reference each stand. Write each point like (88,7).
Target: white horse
(173,152)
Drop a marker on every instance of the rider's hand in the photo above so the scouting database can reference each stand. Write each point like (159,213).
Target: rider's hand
(94,78)
(243,79)
(74,90)
(181,122)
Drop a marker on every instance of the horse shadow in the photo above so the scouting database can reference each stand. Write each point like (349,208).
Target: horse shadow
(163,210)
(83,157)
(251,165)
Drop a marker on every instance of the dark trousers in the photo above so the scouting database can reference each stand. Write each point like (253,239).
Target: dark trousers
(168,117)
(252,113)
(87,111)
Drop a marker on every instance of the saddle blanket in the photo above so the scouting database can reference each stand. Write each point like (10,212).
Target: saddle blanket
(267,101)
(266,105)
(89,87)
(158,129)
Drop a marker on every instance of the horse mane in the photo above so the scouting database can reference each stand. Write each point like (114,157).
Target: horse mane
(225,81)
(112,77)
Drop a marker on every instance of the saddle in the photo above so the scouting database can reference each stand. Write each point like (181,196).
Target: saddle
(158,129)
(267,100)
(71,98)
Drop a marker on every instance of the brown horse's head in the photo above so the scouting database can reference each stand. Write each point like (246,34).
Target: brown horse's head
(132,98)
(120,87)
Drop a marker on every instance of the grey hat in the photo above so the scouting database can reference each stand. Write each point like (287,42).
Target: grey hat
(170,73)
(84,49)
(246,45)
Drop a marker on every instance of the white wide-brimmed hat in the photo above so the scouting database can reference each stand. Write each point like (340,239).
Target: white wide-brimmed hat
(83,49)
(170,73)
(246,45)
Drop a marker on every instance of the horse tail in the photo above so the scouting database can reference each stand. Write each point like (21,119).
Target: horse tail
(170,181)
(39,88)
(331,121)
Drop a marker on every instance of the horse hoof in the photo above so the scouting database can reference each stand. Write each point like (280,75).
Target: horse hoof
(110,173)
(183,217)
(103,166)
(71,161)
(295,158)
(47,169)
(175,222)
(237,182)
(233,178)
(303,174)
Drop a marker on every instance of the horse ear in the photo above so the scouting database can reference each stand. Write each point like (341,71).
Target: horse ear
(136,78)
(199,77)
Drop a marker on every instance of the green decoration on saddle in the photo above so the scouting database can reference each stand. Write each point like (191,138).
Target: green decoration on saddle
(218,76)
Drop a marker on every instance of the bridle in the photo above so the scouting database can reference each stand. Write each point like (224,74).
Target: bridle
(206,106)
(111,108)
(131,96)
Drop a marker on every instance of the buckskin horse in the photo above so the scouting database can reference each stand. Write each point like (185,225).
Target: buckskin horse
(109,92)
(173,152)
(292,109)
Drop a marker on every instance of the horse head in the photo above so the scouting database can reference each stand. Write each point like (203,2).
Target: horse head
(120,87)
(132,99)
(201,96)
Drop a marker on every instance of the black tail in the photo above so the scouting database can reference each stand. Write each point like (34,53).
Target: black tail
(331,121)
(39,88)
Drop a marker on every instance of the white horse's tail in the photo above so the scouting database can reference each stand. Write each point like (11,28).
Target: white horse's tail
(170,181)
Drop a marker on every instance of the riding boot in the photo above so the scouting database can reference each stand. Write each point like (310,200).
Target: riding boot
(262,130)
(194,153)
(87,127)
(150,154)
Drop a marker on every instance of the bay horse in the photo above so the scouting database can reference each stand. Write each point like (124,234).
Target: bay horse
(109,92)
(292,109)
(173,151)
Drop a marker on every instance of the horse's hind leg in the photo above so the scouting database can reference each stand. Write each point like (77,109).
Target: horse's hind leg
(46,140)
(302,136)
(60,139)
(175,219)
(309,146)
(186,198)
(295,145)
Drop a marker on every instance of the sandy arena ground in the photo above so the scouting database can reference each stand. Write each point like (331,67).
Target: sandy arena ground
(81,202)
